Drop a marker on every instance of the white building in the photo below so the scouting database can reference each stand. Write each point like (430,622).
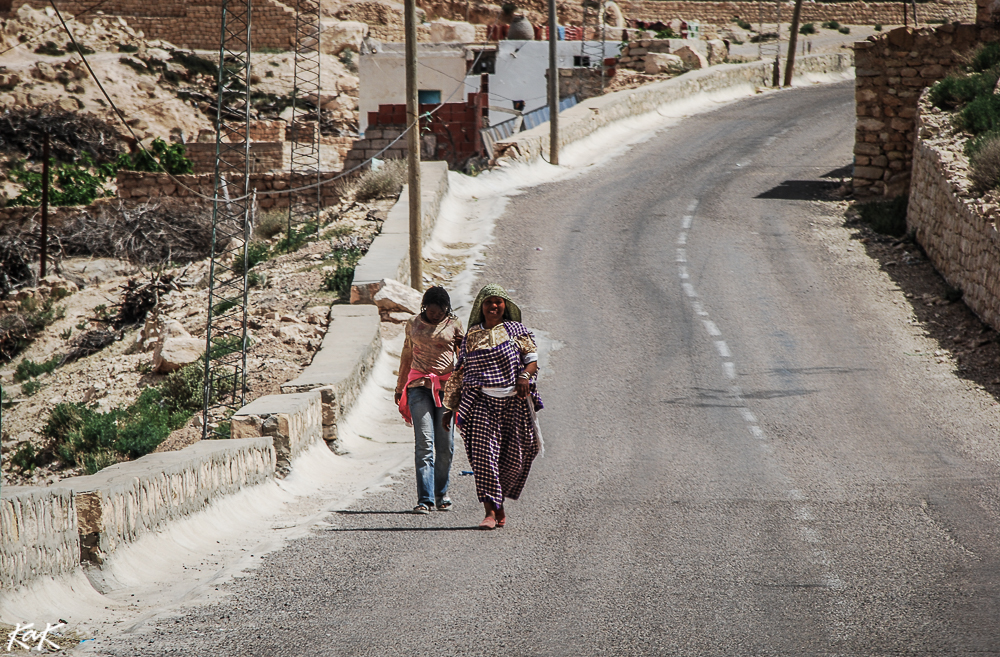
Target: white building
(441,73)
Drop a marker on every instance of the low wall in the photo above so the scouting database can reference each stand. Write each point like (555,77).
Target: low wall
(264,156)
(122,502)
(593,114)
(140,187)
(341,366)
(293,422)
(38,534)
(891,71)
(957,231)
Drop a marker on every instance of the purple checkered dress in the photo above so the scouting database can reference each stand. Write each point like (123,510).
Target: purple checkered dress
(499,433)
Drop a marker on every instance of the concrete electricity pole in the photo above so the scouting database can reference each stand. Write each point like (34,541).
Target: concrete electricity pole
(553,86)
(793,37)
(413,146)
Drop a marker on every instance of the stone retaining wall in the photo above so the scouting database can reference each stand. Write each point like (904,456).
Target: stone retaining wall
(892,69)
(293,422)
(127,500)
(190,23)
(956,230)
(38,536)
(139,187)
(849,13)
(593,114)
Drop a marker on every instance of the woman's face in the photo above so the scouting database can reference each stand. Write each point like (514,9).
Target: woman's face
(434,313)
(493,309)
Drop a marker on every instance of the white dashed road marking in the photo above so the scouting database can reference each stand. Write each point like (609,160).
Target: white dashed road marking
(803,517)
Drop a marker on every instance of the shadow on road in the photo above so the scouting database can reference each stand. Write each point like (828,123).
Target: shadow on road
(401,529)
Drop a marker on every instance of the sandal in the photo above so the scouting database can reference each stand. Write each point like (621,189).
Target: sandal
(488,523)
(445,505)
(421,509)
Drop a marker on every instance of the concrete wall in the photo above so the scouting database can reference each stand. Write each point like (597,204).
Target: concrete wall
(595,113)
(38,535)
(382,77)
(955,229)
(892,70)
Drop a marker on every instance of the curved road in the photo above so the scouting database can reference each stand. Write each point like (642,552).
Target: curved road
(741,458)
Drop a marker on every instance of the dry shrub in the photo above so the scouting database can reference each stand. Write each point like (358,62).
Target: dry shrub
(166,230)
(387,181)
(984,169)
(270,223)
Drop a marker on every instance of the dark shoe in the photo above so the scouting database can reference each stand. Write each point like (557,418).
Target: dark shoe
(421,509)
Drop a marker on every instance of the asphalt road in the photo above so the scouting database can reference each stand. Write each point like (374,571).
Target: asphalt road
(741,457)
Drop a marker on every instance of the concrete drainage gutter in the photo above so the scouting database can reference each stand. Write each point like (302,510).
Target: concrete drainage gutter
(47,532)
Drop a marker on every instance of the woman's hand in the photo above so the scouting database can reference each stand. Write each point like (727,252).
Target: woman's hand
(523,387)
(398,396)
(447,419)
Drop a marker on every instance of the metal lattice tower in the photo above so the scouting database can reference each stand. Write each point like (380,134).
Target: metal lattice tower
(592,52)
(232,210)
(305,157)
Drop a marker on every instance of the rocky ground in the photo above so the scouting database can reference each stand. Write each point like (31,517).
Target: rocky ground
(289,312)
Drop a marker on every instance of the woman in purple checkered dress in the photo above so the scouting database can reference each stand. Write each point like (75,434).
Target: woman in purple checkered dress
(494,401)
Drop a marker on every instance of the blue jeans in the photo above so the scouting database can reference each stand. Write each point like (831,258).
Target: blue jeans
(434,446)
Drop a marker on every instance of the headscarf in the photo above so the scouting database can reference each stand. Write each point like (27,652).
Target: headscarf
(511,311)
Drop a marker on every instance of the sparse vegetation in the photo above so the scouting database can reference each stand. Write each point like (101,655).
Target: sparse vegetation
(25,458)
(29,369)
(886,217)
(831,25)
(339,280)
(844,29)
(171,158)
(18,329)
(808,28)
(49,48)
(270,224)
(877,27)
(667,34)
(984,164)
(745,25)
(29,388)
(386,181)
(764,37)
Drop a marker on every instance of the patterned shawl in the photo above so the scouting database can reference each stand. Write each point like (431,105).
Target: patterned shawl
(511,313)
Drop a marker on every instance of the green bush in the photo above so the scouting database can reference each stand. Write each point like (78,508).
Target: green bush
(83,436)
(29,388)
(844,30)
(886,217)
(985,58)
(981,115)
(831,25)
(257,252)
(49,48)
(25,458)
(296,237)
(270,224)
(28,369)
(808,28)
(76,183)
(667,34)
(160,157)
(878,27)
(745,25)
(340,279)
(956,90)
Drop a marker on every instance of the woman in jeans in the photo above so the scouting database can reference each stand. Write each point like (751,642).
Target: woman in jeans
(428,359)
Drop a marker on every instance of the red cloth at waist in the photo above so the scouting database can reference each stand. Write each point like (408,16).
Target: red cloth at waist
(415,375)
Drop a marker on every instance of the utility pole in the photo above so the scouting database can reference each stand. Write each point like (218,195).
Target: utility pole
(554,85)
(43,251)
(413,147)
(792,39)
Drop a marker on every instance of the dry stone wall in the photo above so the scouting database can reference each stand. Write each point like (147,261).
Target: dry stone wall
(271,187)
(191,23)
(891,71)
(957,230)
